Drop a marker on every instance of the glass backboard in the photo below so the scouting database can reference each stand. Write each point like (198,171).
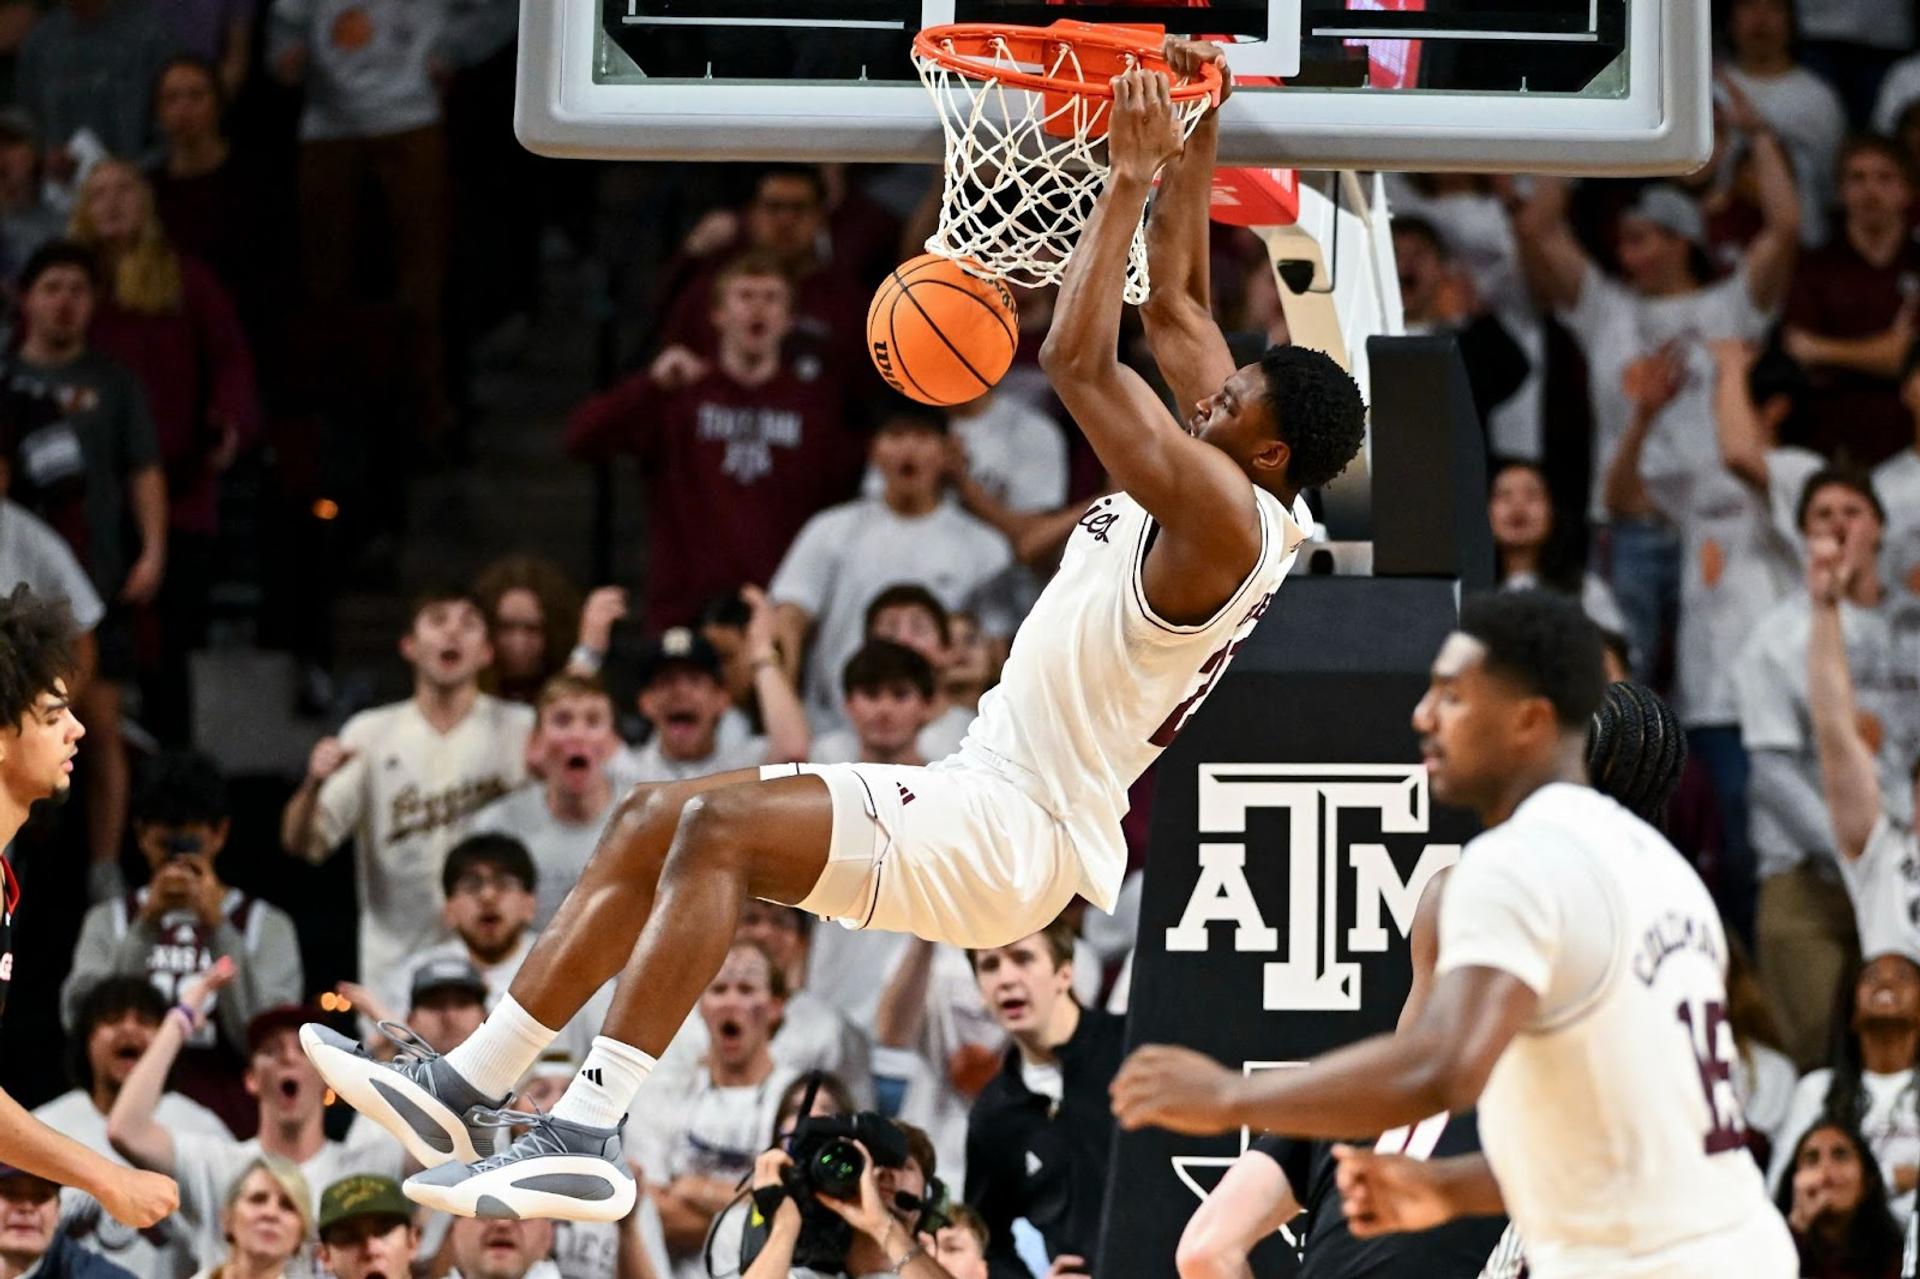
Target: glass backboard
(1570,86)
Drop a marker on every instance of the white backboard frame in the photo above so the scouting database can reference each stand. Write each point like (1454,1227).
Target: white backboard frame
(1662,124)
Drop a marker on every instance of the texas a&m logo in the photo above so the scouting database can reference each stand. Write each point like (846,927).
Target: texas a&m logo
(1312,974)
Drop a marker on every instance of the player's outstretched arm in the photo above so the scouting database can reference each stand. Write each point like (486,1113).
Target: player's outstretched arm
(1185,485)
(1391,1194)
(137,1198)
(1178,315)
(1440,1063)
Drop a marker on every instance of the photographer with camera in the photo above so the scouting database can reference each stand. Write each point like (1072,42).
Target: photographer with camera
(185,920)
(847,1199)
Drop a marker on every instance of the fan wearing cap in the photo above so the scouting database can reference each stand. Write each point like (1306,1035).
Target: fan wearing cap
(683,695)
(291,1102)
(1660,315)
(366,1229)
(31,1243)
(116,1022)
(39,737)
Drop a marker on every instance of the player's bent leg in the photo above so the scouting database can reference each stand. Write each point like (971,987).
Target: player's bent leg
(592,935)
(770,840)
(428,1102)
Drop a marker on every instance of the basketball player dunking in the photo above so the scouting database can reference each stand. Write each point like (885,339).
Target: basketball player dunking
(1579,999)
(1156,588)
(39,737)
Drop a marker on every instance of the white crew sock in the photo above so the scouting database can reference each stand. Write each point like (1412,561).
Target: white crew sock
(602,1093)
(505,1047)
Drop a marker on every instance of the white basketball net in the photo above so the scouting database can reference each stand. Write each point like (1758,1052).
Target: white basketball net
(1018,195)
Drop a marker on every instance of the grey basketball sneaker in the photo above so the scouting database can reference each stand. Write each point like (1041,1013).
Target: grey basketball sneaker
(417,1096)
(554,1169)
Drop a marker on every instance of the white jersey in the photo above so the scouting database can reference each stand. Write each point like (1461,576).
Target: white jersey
(408,794)
(1612,1121)
(1097,685)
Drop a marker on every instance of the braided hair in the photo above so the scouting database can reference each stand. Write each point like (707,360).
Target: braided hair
(1636,749)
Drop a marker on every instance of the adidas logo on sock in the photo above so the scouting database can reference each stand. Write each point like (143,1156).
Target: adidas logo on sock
(593,1077)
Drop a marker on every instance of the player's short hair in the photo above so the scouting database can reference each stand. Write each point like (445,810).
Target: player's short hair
(1846,477)
(491,851)
(883,664)
(569,684)
(1317,412)
(776,979)
(911,595)
(967,1218)
(755,264)
(59,253)
(1636,749)
(182,788)
(441,593)
(1543,642)
(106,1000)
(1058,937)
(36,650)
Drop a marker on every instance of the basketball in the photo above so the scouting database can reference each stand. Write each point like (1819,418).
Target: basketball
(940,335)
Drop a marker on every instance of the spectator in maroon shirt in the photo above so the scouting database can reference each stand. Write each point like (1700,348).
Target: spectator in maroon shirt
(786,218)
(1850,317)
(165,316)
(736,459)
(212,201)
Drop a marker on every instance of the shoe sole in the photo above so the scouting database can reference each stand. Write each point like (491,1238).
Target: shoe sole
(504,1194)
(353,1079)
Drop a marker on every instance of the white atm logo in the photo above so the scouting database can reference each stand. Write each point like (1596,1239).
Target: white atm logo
(1312,977)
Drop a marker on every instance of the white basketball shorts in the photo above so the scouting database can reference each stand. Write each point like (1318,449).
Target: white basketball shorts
(953,853)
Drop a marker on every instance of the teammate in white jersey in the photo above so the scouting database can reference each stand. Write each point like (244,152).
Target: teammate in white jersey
(1157,587)
(1579,1001)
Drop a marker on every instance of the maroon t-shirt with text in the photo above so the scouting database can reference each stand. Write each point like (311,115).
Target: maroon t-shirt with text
(732,473)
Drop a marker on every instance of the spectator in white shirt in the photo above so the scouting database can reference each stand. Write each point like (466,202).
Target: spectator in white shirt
(1668,304)
(560,817)
(292,1104)
(31,552)
(1804,930)
(889,693)
(684,697)
(405,780)
(116,1022)
(489,881)
(1801,107)
(697,1131)
(909,614)
(848,554)
(1897,481)
(1879,857)
(266,1218)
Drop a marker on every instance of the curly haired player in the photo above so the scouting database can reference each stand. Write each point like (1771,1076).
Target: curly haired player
(39,737)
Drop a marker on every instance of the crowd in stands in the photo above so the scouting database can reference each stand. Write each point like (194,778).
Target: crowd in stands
(239,241)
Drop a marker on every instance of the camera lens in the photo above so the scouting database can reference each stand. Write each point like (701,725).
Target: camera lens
(836,1169)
